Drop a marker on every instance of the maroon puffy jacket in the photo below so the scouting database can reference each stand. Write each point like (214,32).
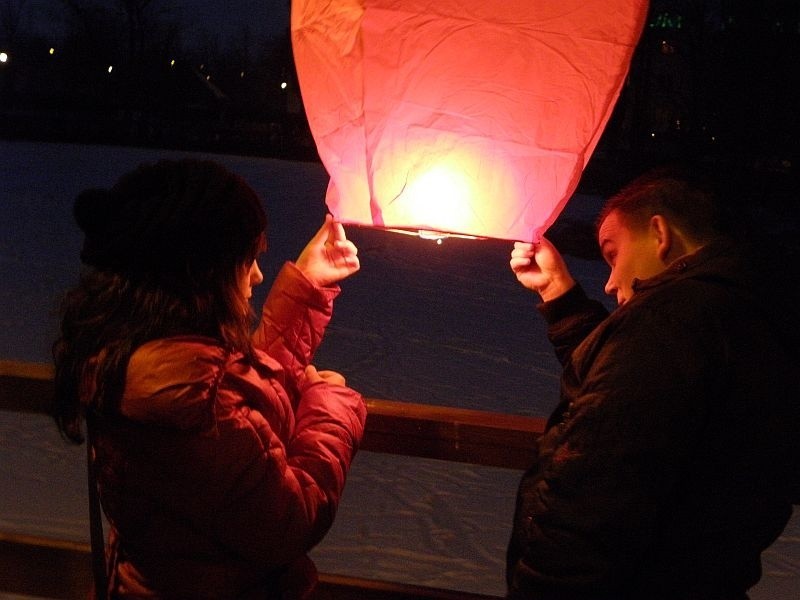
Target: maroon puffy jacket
(221,474)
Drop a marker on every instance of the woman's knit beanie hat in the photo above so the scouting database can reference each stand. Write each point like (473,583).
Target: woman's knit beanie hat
(184,218)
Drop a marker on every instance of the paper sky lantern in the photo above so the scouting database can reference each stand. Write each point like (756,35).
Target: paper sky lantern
(468,117)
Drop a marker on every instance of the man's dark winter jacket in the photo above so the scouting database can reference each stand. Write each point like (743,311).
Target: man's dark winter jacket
(671,461)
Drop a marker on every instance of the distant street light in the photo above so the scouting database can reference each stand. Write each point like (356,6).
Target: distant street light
(283,85)
(110,68)
(3,57)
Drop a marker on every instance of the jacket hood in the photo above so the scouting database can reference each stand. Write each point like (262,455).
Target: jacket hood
(174,381)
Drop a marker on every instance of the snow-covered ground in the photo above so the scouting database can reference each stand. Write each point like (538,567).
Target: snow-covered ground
(442,324)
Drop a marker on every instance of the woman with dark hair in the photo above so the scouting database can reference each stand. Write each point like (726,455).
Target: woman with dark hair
(220,455)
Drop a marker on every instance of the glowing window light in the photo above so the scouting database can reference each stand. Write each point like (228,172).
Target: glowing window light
(495,106)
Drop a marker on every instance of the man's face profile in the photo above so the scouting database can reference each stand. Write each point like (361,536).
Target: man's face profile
(631,252)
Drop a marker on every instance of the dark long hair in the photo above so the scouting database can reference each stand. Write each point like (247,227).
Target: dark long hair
(116,307)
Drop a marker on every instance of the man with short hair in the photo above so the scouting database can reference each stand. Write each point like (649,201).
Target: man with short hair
(673,457)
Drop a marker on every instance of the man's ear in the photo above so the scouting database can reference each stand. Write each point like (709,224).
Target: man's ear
(663,237)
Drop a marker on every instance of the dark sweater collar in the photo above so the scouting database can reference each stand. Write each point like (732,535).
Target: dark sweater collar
(688,264)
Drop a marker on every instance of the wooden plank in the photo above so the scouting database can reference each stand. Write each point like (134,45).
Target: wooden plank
(455,434)
(35,566)
(25,387)
(43,567)
(338,587)
(409,429)
(21,394)
(26,370)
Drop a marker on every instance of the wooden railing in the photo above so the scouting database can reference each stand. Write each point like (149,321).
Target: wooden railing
(61,569)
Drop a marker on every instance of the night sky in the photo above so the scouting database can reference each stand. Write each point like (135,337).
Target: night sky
(226,18)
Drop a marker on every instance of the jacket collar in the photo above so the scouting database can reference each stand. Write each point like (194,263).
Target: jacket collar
(707,257)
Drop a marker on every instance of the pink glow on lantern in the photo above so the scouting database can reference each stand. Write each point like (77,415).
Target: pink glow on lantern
(461,116)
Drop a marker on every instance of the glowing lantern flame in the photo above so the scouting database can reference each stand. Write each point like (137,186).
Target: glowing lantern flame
(440,197)
(461,116)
